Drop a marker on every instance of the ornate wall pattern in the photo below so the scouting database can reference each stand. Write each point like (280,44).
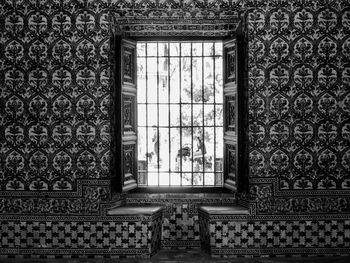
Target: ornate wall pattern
(176,17)
(54,116)
(299,90)
(81,237)
(237,235)
(55,96)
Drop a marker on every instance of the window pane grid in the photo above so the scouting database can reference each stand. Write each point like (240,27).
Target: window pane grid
(179,149)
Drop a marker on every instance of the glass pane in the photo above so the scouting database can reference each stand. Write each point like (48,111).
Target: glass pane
(163,49)
(142,156)
(153,148)
(218,179)
(196,49)
(186,179)
(174,49)
(142,177)
(141,49)
(210,146)
(142,147)
(199,149)
(175,179)
(163,67)
(152,80)
(219,149)
(208,49)
(197,80)
(186,115)
(197,114)
(218,48)
(164,179)
(185,49)
(190,87)
(186,79)
(174,115)
(208,80)
(209,179)
(151,49)
(198,179)
(152,178)
(163,115)
(163,90)
(164,149)
(186,150)
(163,81)
(141,117)
(219,115)
(141,80)
(174,80)
(175,150)
(209,114)
(152,115)
(218,80)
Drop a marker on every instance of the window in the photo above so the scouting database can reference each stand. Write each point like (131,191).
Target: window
(180,113)
(177,115)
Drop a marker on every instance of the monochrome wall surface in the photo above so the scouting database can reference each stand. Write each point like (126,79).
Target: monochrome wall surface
(299,91)
(55,97)
(55,112)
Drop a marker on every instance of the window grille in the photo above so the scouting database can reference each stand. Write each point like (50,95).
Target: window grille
(180,113)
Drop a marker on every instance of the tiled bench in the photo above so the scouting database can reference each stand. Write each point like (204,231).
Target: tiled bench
(139,230)
(218,228)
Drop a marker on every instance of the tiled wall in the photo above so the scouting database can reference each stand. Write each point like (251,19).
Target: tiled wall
(55,96)
(233,236)
(299,94)
(123,236)
(55,113)
(180,226)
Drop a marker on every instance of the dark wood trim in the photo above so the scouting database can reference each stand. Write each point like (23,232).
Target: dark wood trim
(177,38)
(117,171)
(242,93)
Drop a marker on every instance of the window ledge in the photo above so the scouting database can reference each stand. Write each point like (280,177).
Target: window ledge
(129,210)
(182,190)
(224,210)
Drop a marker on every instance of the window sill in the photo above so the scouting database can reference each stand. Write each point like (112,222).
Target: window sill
(183,190)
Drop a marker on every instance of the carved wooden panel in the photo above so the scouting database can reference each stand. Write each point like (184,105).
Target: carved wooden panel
(129,65)
(129,167)
(231,166)
(231,118)
(230,113)
(230,61)
(125,138)
(129,118)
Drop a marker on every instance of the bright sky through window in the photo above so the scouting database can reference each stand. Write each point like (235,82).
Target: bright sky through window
(180,113)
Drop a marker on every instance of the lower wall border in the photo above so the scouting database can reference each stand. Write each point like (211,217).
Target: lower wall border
(281,252)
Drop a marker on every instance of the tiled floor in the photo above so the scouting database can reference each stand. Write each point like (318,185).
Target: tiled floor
(193,255)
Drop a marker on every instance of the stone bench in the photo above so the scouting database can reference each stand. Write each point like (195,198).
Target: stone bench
(139,230)
(219,228)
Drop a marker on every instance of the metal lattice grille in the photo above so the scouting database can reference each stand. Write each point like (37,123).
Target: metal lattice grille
(180,113)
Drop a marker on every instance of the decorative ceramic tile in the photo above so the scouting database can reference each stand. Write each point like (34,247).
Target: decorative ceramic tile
(55,137)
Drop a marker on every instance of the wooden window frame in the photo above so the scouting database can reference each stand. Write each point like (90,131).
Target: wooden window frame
(121,183)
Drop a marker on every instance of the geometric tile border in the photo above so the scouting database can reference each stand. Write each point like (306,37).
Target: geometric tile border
(241,235)
(110,236)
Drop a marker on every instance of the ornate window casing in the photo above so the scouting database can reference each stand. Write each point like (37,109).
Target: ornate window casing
(125,94)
